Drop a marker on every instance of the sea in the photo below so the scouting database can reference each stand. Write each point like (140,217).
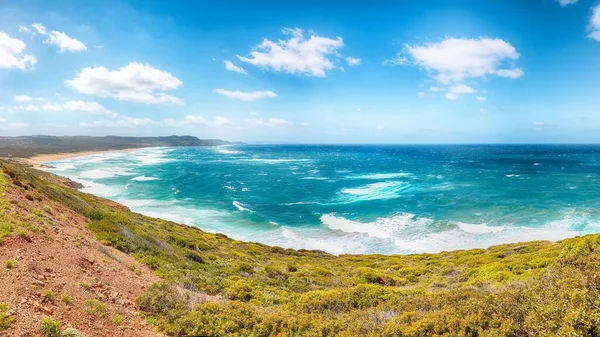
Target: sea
(358,199)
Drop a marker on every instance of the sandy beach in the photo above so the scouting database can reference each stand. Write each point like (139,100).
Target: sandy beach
(39,160)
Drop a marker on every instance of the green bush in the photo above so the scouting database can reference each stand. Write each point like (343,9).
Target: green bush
(72,332)
(95,307)
(5,319)
(50,327)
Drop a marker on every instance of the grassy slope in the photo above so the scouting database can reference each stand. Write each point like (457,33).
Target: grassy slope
(217,286)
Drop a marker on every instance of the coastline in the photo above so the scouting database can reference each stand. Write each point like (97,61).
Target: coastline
(38,161)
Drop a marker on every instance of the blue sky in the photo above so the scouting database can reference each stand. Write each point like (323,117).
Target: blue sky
(304,71)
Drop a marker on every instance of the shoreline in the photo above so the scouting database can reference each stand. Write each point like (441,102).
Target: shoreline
(38,161)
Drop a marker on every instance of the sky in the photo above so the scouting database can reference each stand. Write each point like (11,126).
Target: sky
(464,71)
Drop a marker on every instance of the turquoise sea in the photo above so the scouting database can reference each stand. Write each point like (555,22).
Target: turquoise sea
(358,199)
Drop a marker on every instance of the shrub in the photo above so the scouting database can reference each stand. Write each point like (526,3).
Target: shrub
(48,297)
(95,307)
(5,319)
(50,327)
(72,332)
(11,264)
(67,299)
(117,319)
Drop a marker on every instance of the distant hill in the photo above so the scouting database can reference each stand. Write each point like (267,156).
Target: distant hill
(29,146)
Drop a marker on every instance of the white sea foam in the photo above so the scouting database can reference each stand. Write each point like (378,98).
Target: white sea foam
(479,228)
(381,176)
(380,190)
(273,161)
(227,151)
(240,206)
(512,175)
(61,166)
(231,188)
(144,178)
(102,173)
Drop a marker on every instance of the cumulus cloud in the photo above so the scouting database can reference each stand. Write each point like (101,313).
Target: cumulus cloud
(195,120)
(312,56)
(65,42)
(481,98)
(245,96)
(461,89)
(41,29)
(60,39)
(12,54)
(135,82)
(454,60)
(72,106)
(271,122)
(352,61)
(25,98)
(229,66)
(564,3)
(451,96)
(594,25)
(79,106)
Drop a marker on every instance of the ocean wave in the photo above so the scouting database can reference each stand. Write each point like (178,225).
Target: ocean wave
(412,234)
(273,161)
(227,151)
(144,178)
(375,191)
(61,166)
(381,176)
(103,173)
(240,206)
(479,228)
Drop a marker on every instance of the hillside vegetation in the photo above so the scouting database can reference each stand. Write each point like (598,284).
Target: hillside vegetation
(212,285)
(28,146)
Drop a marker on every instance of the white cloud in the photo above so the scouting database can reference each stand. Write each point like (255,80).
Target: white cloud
(229,66)
(353,61)
(79,106)
(196,120)
(451,96)
(510,73)
(65,42)
(29,107)
(304,124)
(481,98)
(566,2)
(73,106)
(135,82)
(11,54)
(271,122)
(594,25)
(22,98)
(121,122)
(461,89)
(41,29)
(61,39)
(245,96)
(454,60)
(297,55)
(399,60)
(436,89)
(24,29)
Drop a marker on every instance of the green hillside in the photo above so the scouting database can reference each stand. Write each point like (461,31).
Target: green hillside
(215,286)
